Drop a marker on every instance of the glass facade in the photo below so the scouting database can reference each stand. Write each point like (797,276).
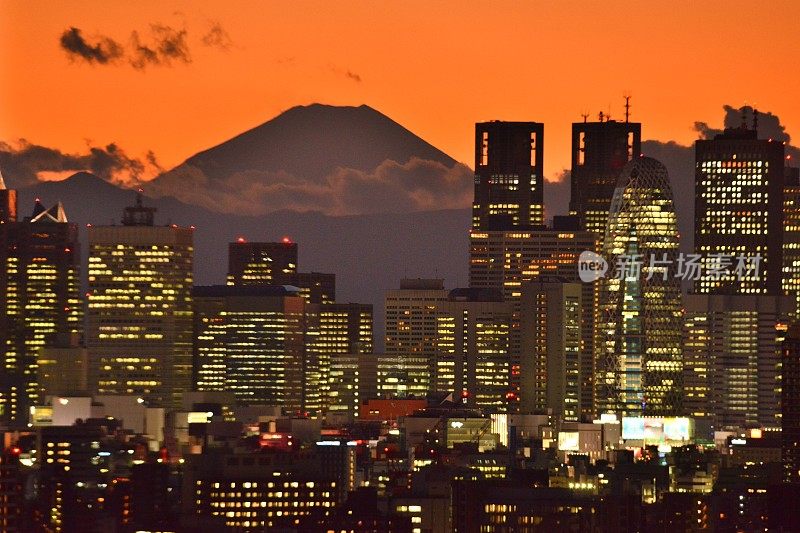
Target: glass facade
(639,313)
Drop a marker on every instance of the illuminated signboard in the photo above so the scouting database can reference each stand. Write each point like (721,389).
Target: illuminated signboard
(568,441)
(657,429)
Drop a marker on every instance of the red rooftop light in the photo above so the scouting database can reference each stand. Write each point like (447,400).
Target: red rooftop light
(241,240)
(287,240)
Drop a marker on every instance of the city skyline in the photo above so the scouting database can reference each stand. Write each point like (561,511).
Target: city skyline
(347,318)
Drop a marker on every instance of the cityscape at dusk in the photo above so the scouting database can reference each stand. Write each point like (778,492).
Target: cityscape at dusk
(399,267)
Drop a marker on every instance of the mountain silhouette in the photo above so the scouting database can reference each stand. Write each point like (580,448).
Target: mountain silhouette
(335,160)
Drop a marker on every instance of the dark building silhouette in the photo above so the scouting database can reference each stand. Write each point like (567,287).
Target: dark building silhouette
(790,405)
(259,263)
(599,151)
(509,175)
(739,211)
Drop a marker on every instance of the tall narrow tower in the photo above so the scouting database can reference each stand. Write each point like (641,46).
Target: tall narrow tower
(639,315)
(599,151)
(509,176)
(40,306)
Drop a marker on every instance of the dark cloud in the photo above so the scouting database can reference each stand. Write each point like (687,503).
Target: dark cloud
(167,45)
(419,185)
(556,194)
(105,50)
(217,37)
(164,46)
(26,163)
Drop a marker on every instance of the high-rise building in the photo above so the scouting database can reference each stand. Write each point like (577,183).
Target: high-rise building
(260,263)
(509,176)
(40,305)
(599,151)
(411,322)
(506,259)
(316,287)
(275,263)
(550,321)
(404,376)
(331,331)
(139,325)
(738,212)
(639,314)
(732,357)
(352,380)
(791,233)
(250,341)
(790,405)
(472,348)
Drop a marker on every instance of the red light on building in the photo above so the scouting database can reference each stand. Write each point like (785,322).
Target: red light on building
(287,240)
(241,240)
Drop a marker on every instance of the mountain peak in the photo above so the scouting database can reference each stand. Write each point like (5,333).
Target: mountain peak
(312,141)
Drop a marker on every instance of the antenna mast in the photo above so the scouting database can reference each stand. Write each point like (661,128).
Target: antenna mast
(627,108)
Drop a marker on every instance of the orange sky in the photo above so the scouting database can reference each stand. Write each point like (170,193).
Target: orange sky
(434,67)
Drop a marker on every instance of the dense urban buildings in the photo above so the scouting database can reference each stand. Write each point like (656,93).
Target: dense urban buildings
(505,260)
(411,322)
(473,332)
(536,397)
(550,321)
(638,342)
(738,212)
(599,151)
(139,321)
(40,305)
(333,331)
(732,358)
(509,176)
(250,341)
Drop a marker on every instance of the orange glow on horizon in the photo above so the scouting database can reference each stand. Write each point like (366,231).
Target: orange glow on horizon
(434,68)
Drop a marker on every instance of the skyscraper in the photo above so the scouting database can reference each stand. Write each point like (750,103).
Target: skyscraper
(790,405)
(139,326)
(509,176)
(259,263)
(738,212)
(790,277)
(732,356)
(504,260)
(332,331)
(411,323)
(250,341)
(275,263)
(639,316)
(599,151)
(40,305)
(472,342)
(550,322)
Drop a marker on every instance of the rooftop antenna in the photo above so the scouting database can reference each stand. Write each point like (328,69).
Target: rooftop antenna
(744,117)
(600,116)
(585,117)
(627,108)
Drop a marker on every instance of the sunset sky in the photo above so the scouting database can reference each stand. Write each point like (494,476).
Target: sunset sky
(434,67)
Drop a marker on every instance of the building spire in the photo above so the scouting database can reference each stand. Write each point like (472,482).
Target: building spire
(61,215)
